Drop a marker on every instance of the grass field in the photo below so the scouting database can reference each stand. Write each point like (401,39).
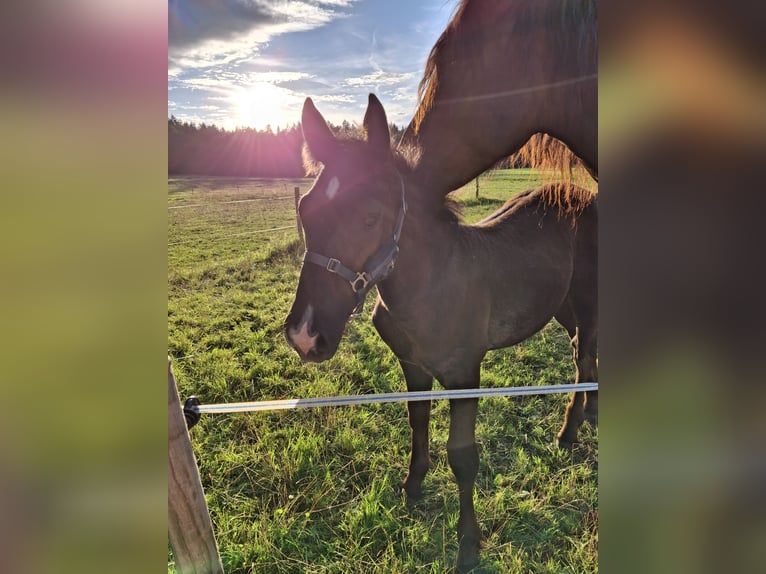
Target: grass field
(315,490)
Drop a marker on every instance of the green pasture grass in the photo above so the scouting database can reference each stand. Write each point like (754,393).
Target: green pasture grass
(316,490)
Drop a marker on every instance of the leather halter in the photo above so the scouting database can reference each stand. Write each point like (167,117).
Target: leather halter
(376,268)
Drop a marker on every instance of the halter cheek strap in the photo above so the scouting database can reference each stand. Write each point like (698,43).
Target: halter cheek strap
(377,267)
(359,280)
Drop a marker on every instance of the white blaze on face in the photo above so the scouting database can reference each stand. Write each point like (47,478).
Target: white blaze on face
(301,335)
(332,187)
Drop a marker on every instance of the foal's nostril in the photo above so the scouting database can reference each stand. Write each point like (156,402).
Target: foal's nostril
(318,352)
(301,336)
(302,339)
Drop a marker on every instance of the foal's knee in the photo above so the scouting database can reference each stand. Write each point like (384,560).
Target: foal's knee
(464,462)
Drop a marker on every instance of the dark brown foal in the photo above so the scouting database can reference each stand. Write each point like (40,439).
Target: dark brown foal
(447,292)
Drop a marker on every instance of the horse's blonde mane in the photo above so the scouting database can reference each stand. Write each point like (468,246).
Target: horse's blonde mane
(546,153)
(568,200)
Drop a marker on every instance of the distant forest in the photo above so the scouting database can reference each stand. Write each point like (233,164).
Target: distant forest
(201,149)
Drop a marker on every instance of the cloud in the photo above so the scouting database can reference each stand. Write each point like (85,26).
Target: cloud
(379,78)
(337,98)
(226,82)
(191,22)
(203,108)
(223,52)
(203,33)
(207,83)
(307,85)
(276,77)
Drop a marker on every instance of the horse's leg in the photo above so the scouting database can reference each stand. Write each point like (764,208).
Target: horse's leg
(588,365)
(574,415)
(419,414)
(463,457)
(579,315)
(583,405)
(583,355)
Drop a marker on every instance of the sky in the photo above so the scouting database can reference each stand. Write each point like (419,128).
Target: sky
(249,63)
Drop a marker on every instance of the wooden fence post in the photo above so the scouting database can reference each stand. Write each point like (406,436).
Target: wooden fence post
(297,191)
(190,529)
(477,187)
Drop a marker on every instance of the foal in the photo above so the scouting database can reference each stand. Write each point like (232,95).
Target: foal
(447,292)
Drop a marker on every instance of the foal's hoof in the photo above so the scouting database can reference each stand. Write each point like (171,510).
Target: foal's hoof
(565,443)
(413,493)
(466,564)
(467,568)
(468,555)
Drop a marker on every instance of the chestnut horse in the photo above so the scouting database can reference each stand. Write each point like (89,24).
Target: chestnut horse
(447,292)
(502,71)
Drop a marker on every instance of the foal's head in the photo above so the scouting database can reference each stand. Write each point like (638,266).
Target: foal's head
(351,217)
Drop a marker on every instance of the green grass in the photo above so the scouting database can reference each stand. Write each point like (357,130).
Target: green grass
(315,490)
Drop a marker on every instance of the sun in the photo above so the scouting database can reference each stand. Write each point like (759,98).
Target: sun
(260,105)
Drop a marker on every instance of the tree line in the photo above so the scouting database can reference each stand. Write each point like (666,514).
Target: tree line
(202,149)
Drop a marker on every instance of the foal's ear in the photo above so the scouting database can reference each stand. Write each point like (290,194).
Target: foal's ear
(316,132)
(376,125)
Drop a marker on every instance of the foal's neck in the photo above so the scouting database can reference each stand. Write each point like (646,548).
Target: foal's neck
(428,220)
(429,234)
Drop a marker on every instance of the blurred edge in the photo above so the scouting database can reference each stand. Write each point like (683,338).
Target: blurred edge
(82,437)
(682,133)
(83,102)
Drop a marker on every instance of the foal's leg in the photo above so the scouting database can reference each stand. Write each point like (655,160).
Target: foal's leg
(463,457)
(419,411)
(579,315)
(419,415)
(583,405)
(591,406)
(579,320)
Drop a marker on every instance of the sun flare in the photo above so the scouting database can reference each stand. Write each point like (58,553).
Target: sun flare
(260,105)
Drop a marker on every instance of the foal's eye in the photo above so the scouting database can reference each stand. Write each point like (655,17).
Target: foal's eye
(371,219)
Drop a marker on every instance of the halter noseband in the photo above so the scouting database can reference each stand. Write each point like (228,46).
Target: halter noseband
(377,267)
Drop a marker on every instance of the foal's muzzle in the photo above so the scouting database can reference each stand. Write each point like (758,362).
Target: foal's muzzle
(308,341)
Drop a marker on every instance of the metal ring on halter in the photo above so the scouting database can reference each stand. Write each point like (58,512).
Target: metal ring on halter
(364,278)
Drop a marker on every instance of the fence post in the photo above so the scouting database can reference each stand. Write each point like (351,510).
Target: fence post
(297,191)
(477,187)
(190,529)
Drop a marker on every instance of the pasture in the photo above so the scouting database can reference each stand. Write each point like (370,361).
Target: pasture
(316,490)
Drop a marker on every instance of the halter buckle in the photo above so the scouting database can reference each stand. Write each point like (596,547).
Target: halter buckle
(364,278)
(332,264)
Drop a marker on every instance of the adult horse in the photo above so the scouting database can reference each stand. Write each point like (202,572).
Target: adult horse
(502,71)
(448,292)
